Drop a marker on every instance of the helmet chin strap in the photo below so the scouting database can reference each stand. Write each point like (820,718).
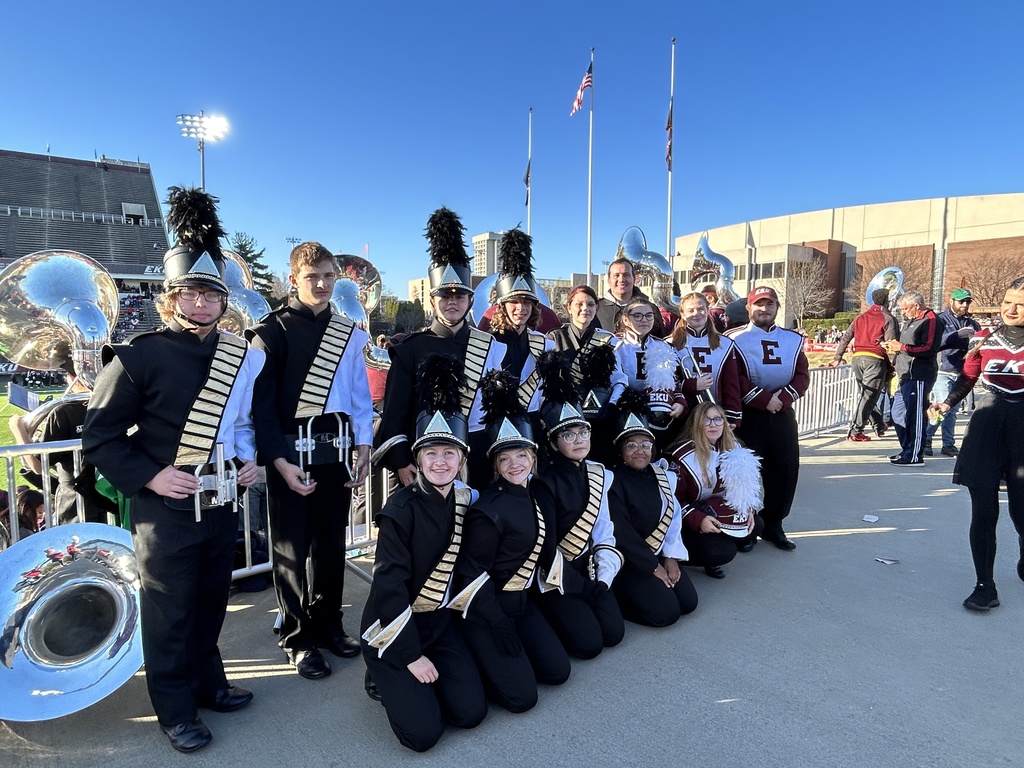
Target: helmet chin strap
(444,321)
(191,324)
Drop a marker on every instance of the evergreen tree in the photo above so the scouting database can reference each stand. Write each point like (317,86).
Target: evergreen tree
(246,247)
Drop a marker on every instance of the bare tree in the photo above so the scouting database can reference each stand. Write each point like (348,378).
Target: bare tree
(987,278)
(280,289)
(914,261)
(807,292)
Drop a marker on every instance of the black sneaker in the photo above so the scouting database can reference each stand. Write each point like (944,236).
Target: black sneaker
(949,450)
(928,451)
(983,598)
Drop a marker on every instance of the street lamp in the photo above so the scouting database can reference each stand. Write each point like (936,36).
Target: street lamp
(204,128)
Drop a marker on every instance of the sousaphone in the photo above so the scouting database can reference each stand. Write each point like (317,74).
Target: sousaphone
(70,620)
(357,292)
(246,306)
(654,274)
(890,278)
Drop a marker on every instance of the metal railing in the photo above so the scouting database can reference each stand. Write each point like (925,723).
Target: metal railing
(360,534)
(829,402)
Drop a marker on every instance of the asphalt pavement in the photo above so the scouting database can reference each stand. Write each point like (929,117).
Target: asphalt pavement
(853,650)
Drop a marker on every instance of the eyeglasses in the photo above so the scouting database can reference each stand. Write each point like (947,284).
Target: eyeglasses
(210,297)
(714,421)
(645,446)
(572,437)
(640,317)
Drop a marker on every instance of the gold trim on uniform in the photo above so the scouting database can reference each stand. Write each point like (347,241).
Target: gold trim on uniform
(434,590)
(476,359)
(657,538)
(317,386)
(528,387)
(199,434)
(381,637)
(576,540)
(462,601)
(521,579)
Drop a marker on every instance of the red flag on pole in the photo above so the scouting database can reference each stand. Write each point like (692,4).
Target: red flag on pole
(588,82)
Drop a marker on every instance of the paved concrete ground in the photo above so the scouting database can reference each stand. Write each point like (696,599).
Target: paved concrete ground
(819,657)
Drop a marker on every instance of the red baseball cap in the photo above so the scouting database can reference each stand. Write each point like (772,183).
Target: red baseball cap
(762,292)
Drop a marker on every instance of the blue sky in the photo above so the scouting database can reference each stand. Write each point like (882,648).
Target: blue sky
(351,122)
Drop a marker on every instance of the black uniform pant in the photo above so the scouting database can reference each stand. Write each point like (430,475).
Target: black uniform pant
(644,599)
(870,373)
(773,437)
(418,712)
(512,679)
(584,626)
(714,549)
(185,571)
(309,527)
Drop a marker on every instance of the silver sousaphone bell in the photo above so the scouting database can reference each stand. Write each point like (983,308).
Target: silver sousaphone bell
(891,279)
(70,618)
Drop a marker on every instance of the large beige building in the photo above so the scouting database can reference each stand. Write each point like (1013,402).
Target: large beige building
(954,233)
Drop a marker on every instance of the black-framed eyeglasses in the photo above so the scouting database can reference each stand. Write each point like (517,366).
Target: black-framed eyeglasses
(210,297)
(572,437)
(714,421)
(640,317)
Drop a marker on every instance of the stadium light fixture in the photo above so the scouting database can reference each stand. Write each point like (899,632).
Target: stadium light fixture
(204,128)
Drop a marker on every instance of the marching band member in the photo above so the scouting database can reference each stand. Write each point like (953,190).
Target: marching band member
(412,646)
(650,589)
(451,298)
(188,389)
(506,545)
(707,359)
(312,405)
(573,492)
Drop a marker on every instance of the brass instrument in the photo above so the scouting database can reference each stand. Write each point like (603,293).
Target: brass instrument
(246,306)
(654,275)
(890,278)
(710,265)
(356,294)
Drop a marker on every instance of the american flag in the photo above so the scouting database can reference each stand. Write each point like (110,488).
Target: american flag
(588,82)
(668,145)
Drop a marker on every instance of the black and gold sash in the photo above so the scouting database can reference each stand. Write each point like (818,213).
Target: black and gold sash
(317,386)
(657,537)
(576,540)
(432,594)
(522,577)
(476,359)
(528,387)
(199,434)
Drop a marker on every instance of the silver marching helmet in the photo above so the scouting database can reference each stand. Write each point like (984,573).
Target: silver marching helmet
(357,292)
(654,275)
(70,618)
(246,306)
(891,279)
(709,265)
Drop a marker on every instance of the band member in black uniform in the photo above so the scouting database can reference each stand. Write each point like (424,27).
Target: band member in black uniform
(188,390)
(650,589)
(992,451)
(506,546)
(412,646)
(773,375)
(314,389)
(719,489)
(573,492)
(450,333)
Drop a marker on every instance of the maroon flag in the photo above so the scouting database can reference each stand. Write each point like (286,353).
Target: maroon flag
(588,82)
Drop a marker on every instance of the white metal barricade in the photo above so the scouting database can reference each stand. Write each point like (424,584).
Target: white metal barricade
(829,402)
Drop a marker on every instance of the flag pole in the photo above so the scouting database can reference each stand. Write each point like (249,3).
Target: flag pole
(529,161)
(590,175)
(669,251)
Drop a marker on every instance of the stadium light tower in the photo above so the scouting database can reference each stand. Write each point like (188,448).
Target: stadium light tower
(204,128)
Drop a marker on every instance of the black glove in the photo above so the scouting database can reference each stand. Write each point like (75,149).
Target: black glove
(966,333)
(506,637)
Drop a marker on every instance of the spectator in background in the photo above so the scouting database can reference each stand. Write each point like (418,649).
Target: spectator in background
(916,368)
(957,329)
(31,511)
(715,310)
(869,360)
(621,288)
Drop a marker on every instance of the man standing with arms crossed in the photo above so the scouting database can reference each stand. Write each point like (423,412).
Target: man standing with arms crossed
(312,411)
(773,375)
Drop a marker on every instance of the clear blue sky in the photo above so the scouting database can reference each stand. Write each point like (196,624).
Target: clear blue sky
(351,122)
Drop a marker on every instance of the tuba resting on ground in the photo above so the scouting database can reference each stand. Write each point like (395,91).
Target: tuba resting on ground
(708,265)
(246,306)
(356,294)
(70,620)
(654,274)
